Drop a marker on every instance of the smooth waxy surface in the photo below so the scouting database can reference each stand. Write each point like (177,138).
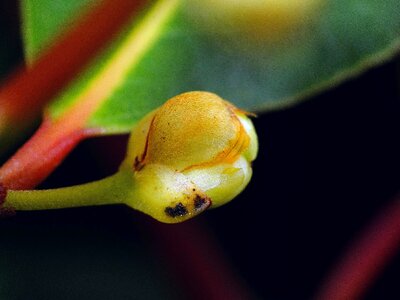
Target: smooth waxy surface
(193,129)
(197,143)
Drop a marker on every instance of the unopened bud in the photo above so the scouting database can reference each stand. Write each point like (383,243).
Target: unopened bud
(192,152)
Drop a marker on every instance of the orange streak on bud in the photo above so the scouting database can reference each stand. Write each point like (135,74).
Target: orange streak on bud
(232,153)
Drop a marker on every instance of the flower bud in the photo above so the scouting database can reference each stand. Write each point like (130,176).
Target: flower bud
(192,152)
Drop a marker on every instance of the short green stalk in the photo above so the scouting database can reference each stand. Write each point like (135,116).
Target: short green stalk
(110,190)
(156,190)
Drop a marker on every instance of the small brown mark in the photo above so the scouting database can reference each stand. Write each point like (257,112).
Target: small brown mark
(178,211)
(201,203)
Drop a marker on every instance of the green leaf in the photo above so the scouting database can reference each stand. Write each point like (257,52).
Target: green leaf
(347,37)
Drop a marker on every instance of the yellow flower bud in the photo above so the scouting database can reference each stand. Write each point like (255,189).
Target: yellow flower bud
(192,152)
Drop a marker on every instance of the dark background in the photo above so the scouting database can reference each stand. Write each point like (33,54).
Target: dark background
(325,168)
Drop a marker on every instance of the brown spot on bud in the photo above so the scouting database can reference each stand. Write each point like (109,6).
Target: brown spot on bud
(201,203)
(178,211)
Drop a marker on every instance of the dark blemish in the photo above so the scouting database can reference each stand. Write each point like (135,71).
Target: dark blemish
(201,203)
(194,190)
(178,211)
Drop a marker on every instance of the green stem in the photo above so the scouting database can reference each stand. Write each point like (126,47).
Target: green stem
(110,190)
(156,190)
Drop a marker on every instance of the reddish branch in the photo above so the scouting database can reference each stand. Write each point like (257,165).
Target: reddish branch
(40,156)
(366,257)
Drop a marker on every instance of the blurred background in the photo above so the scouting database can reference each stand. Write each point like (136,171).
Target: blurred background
(325,168)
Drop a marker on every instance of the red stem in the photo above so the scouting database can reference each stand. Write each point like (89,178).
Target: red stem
(44,151)
(23,95)
(366,257)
